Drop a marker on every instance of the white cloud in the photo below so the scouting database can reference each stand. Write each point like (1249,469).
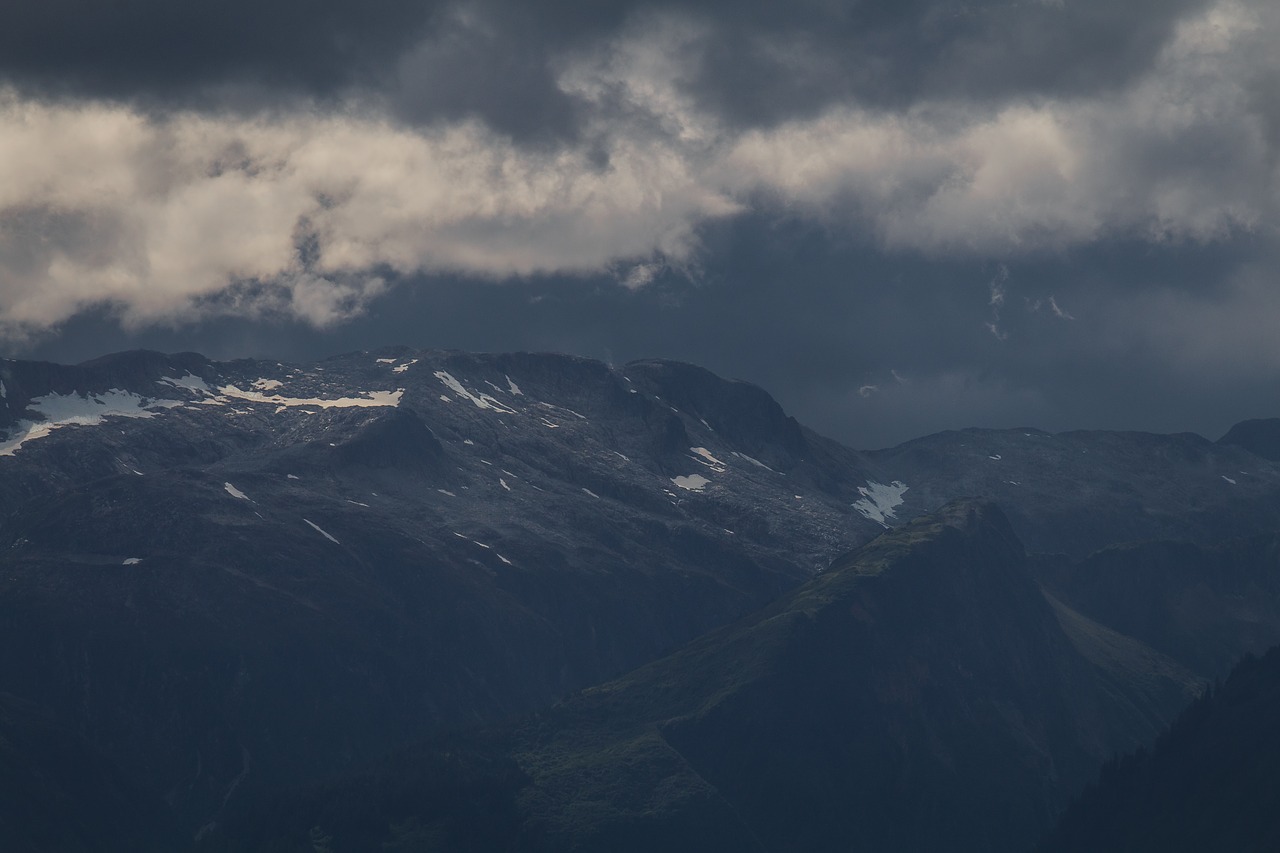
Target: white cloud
(1181,154)
(178,216)
(174,217)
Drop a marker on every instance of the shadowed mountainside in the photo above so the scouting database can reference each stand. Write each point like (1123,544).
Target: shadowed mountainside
(920,695)
(1210,783)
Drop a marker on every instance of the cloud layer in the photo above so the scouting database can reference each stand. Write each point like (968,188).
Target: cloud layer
(310,210)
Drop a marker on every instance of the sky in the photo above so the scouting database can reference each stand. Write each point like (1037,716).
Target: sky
(897,217)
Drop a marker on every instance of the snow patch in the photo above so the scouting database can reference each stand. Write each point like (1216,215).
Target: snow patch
(79,410)
(189,381)
(503,483)
(235,493)
(401,368)
(692,483)
(357,503)
(372,399)
(132,561)
(995,457)
(1228,479)
(266,384)
(503,559)
(704,456)
(514,388)
(756,462)
(481,400)
(291,476)
(317,529)
(593,494)
(879,501)
(446,492)
(385,360)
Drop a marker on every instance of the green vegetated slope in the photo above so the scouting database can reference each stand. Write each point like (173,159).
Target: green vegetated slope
(1211,782)
(922,694)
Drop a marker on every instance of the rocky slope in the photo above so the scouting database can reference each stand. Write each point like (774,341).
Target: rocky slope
(1076,492)
(221,573)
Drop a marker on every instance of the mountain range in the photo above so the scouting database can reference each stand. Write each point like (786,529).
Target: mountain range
(631,607)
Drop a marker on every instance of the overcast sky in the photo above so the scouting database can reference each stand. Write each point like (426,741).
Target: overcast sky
(898,217)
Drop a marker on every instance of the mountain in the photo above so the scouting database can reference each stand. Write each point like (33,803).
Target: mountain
(919,695)
(227,578)
(220,573)
(1260,437)
(1077,492)
(1209,783)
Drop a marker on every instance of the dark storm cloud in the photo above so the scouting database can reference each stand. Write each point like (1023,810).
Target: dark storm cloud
(755,63)
(161,47)
(767,61)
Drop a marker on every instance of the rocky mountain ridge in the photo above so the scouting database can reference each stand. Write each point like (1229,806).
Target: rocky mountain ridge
(215,575)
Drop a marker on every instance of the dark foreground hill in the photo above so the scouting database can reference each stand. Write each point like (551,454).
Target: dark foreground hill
(920,695)
(1211,782)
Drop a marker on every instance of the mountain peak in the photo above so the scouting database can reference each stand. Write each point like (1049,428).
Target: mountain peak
(742,412)
(1261,437)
